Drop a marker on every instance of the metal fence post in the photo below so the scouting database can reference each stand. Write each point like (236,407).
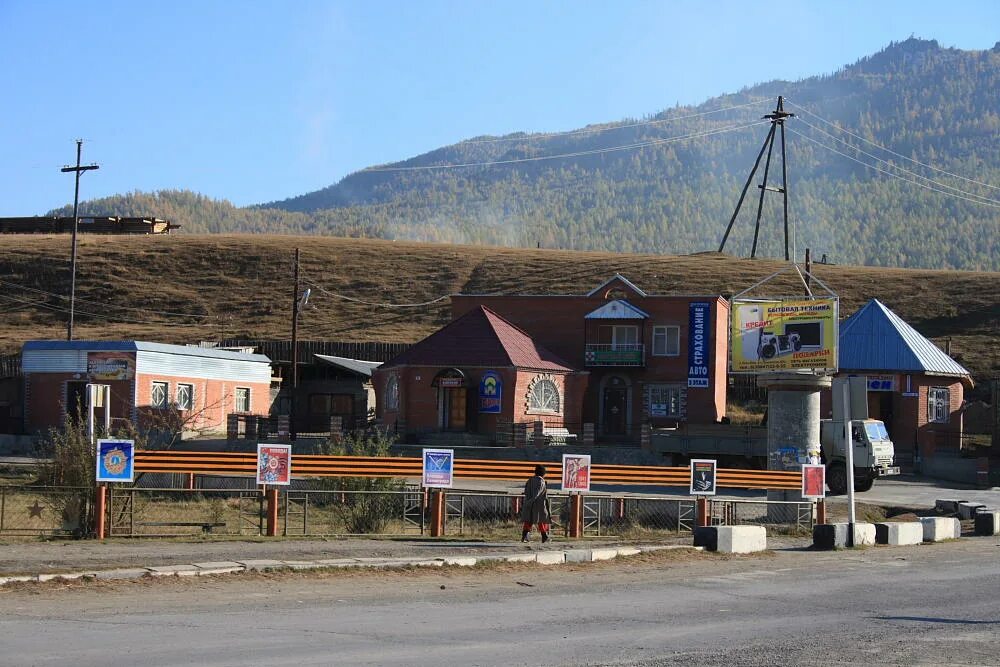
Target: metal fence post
(437,513)
(271,498)
(701,511)
(821,511)
(576,515)
(100,508)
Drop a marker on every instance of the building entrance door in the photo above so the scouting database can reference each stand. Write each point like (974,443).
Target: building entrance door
(455,404)
(614,410)
(76,400)
(880,407)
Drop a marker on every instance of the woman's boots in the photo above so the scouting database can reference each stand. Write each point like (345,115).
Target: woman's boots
(524,536)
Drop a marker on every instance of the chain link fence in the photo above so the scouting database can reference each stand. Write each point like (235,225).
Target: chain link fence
(142,512)
(45,510)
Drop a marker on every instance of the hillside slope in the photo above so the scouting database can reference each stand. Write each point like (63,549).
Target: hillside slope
(936,105)
(188,288)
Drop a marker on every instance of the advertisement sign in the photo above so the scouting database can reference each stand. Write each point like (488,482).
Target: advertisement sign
(115,460)
(698,321)
(274,464)
(439,468)
(813,481)
(783,334)
(110,366)
(490,393)
(576,472)
(703,477)
(881,382)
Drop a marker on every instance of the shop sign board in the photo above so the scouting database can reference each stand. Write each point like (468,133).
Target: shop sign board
(783,334)
(699,313)
(490,393)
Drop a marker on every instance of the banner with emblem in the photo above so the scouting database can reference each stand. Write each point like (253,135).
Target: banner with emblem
(115,460)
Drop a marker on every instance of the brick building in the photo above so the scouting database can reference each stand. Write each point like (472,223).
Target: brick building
(147,380)
(627,358)
(913,386)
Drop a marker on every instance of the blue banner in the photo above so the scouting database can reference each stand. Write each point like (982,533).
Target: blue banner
(115,460)
(698,351)
(490,393)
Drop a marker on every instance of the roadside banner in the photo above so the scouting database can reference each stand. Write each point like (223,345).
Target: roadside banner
(115,460)
(274,464)
(813,481)
(703,477)
(699,315)
(439,468)
(490,393)
(576,472)
(783,334)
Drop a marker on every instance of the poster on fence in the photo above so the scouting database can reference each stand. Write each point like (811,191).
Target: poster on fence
(576,472)
(274,464)
(115,460)
(439,468)
(703,477)
(813,481)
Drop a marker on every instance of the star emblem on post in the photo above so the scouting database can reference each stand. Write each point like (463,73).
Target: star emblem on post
(35,510)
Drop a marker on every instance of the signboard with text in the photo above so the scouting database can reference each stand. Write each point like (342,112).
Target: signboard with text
(699,314)
(490,393)
(703,477)
(115,460)
(274,464)
(783,334)
(576,472)
(439,468)
(106,366)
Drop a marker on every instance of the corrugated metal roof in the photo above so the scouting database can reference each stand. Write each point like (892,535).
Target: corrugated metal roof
(619,309)
(135,346)
(877,339)
(358,366)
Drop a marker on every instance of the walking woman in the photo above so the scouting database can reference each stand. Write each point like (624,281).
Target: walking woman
(536,505)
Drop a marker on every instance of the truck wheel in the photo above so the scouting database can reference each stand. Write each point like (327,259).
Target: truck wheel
(836,479)
(863,483)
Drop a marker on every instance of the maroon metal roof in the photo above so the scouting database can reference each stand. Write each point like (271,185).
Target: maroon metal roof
(480,338)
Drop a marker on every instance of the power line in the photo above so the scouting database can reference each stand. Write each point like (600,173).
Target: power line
(597,130)
(896,166)
(104,305)
(379,305)
(595,151)
(889,150)
(127,320)
(894,175)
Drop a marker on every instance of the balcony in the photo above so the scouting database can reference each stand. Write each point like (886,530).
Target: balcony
(610,354)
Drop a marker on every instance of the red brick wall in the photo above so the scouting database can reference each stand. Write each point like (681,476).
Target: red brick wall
(213,399)
(45,398)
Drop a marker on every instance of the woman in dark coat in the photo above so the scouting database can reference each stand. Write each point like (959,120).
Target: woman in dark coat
(536,505)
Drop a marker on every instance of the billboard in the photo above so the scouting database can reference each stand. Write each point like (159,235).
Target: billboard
(813,481)
(439,468)
(274,464)
(783,334)
(115,460)
(703,477)
(490,393)
(576,472)
(106,366)
(699,314)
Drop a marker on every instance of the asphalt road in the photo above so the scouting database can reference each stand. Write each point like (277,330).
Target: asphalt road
(932,605)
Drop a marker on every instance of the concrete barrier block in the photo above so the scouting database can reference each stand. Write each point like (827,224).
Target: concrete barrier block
(628,551)
(464,561)
(834,535)
(947,505)
(603,554)
(731,539)
(899,533)
(550,557)
(521,558)
(967,511)
(578,556)
(174,571)
(937,528)
(988,522)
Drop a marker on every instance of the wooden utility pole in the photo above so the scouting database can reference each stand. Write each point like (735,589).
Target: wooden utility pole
(292,429)
(76,224)
(809,268)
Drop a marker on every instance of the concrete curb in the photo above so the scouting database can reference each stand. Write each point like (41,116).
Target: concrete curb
(555,557)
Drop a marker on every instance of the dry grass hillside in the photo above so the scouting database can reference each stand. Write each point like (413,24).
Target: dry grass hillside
(190,288)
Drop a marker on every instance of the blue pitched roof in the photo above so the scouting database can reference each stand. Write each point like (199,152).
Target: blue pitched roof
(877,339)
(619,309)
(138,345)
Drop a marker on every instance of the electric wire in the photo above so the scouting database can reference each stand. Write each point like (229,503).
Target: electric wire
(112,318)
(378,305)
(595,151)
(889,150)
(893,174)
(103,305)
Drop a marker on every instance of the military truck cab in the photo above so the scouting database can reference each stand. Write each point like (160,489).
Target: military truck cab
(874,453)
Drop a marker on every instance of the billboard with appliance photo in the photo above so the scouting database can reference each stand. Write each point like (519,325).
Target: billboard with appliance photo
(783,334)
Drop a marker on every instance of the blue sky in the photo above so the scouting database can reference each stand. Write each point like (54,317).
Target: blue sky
(255,101)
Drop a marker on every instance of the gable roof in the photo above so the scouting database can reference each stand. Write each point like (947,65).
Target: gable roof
(480,338)
(619,277)
(618,309)
(875,338)
(357,366)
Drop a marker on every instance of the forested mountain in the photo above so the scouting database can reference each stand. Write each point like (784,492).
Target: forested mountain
(675,191)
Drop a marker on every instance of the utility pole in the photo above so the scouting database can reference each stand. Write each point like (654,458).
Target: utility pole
(76,224)
(809,268)
(777,118)
(293,431)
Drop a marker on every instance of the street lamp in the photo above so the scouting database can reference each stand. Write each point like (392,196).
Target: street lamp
(76,223)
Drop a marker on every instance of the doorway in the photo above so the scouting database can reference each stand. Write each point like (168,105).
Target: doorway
(454,408)
(614,410)
(76,401)
(880,407)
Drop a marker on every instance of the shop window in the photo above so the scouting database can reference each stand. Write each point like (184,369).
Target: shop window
(392,393)
(158,395)
(938,405)
(243,399)
(543,396)
(185,396)
(664,400)
(666,341)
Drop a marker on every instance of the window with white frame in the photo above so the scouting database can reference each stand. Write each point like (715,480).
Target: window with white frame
(625,336)
(666,341)
(938,405)
(158,395)
(543,396)
(243,399)
(664,400)
(392,393)
(185,396)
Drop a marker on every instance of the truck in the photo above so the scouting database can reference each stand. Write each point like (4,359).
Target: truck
(745,446)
